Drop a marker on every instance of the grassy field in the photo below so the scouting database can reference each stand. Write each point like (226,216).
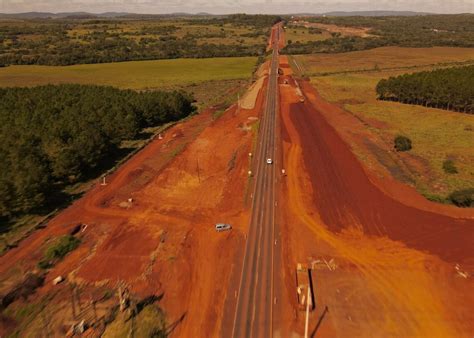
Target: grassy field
(87,41)
(302,34)
(133,75)
(135,30)
(437,135)
(81,30)
(382,58)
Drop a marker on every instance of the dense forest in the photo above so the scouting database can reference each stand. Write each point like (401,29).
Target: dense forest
(417,31)
(450,88)
(67,42)
(258,21)
(51,136)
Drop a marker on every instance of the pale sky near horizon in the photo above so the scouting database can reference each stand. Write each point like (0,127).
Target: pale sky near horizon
(234,6)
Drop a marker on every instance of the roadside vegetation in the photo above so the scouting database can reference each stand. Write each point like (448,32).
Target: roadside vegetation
(58,250)
(402,143)
(71,41)
(436,135)
(418,31)
(298,34)
(54,136)
(451,89)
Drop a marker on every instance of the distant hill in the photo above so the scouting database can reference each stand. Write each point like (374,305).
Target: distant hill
(376,13)
(86,15)
(28,15)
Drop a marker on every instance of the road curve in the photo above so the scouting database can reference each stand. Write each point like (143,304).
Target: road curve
(254,308)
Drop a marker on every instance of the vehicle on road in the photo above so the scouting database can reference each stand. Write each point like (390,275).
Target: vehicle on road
(223,227)
(269,161)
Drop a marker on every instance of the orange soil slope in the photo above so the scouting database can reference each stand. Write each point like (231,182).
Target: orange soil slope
(395,272)
(281,41)
(345,195)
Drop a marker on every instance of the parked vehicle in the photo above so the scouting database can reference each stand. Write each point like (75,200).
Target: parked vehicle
(223,227)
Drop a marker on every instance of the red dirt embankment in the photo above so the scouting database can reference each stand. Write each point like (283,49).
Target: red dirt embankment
(393,272)
(344,194)
(281,41)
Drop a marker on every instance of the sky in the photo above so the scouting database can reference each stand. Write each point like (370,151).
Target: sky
(234,6)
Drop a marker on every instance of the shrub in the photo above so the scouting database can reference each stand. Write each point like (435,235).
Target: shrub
(463,198)
(58,250)
(449,167)
(402,143)
(62,247)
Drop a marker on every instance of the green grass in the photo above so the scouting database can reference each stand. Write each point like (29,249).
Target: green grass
(150,322)
(349,79)
(383,58)
(137,75)
(302,34)
(58,250)
(437,135)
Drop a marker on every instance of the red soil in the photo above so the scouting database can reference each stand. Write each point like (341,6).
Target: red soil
(281,40)
(164,241)
(395,270)
(344,195)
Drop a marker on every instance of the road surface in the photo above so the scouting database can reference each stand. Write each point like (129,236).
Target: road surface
(255,301)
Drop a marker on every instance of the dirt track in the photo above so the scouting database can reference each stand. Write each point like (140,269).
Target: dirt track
(395,272)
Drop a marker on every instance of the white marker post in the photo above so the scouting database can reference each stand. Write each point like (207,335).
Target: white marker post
(308,303)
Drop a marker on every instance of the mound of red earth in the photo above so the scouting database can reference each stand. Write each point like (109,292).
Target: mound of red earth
(344,194)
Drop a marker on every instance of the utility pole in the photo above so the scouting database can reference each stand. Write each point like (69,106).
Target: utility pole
(197,163)
(308,303)
(73,304)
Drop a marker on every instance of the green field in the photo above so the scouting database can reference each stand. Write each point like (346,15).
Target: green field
(437,135)
(302,34)
(382,58)
(137,75)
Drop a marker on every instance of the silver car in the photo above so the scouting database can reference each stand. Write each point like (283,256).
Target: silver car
(223,227)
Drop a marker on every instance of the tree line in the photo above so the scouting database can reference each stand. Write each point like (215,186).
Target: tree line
(450,88)
(55,135)
(417,31)
(67,42)
(259,21)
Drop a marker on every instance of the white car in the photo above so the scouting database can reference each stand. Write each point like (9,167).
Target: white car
(223,227)
(269,161)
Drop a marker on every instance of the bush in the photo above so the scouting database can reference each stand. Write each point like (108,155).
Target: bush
(463,198)
(62,247)
(402,143)
(449,167)
(58,250)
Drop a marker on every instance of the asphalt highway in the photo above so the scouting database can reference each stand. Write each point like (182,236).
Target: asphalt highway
(255,301)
